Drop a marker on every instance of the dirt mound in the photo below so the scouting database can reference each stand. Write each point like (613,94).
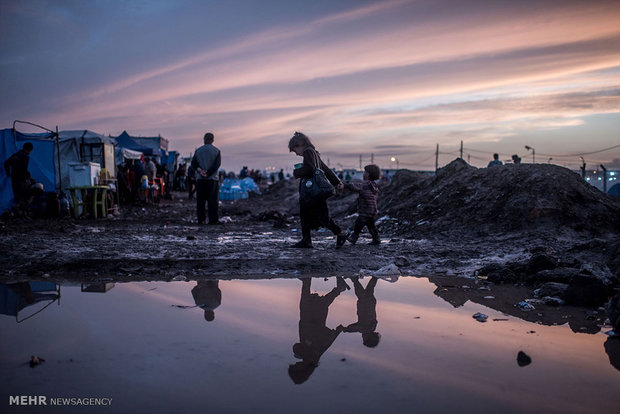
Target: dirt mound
(512,197)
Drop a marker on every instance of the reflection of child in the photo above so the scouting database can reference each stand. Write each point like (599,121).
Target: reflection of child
(366,204)
(314,335)
(366,313)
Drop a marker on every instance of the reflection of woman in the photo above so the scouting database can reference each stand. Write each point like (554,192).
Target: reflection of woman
(207,296)
(314,214)
(366,313)
(314,336)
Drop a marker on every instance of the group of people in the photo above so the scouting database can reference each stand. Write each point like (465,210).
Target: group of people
(313,214)
(495,161)
(136,178)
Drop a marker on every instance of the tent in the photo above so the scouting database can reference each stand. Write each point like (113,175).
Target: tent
(125,141)
(42,165)
(14,297)
(85,146)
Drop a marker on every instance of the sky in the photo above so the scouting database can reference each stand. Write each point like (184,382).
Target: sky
(365,80)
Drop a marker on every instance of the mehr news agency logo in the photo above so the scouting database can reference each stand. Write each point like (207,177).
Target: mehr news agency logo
(59,401)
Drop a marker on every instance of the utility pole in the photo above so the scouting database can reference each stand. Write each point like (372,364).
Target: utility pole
(583,168)
(372,157)
(360,161)
(604,177)
(437,158)
(461,149)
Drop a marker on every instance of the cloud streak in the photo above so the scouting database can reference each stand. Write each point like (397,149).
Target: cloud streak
(381,73)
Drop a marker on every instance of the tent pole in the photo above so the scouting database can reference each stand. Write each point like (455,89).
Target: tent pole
(58,155)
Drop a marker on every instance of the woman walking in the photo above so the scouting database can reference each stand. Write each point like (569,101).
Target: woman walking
(314,214)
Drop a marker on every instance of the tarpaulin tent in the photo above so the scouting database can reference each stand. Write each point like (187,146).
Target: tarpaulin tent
(14,297)
(125,141)
(42,165)
(85,146)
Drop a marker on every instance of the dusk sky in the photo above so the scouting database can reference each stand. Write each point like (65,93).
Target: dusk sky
(391,78)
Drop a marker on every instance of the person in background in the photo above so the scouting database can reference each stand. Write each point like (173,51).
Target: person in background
(516,159)
(206,162)
(16,167)
(495,161)
(150,168)
(314,214)
(182,176)
(366,204)
(281,174)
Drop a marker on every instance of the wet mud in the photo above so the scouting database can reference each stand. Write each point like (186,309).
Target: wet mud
(524,226)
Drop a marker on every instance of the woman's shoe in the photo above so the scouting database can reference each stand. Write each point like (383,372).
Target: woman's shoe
(340,239)
(303,244)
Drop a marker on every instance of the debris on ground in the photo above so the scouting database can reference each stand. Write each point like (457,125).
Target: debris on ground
(523,359)
(35,360)
(480,317)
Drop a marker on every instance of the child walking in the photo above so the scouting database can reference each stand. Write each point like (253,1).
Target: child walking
(366,204)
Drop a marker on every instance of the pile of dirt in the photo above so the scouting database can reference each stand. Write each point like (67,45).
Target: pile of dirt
(513,197)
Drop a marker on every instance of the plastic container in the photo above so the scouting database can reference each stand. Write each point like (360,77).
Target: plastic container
(83,174)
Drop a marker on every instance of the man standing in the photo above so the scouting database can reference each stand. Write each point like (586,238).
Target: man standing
(16,167)
(206,162)
(495,161)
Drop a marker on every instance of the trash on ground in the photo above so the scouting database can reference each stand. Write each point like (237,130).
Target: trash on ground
(35,360)
(480,317)
(523,305)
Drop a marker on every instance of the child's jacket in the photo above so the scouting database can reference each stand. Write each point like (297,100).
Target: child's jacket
(367,201)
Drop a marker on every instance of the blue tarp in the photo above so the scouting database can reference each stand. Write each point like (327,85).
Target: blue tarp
(232,189)
(41,165)
(125,141)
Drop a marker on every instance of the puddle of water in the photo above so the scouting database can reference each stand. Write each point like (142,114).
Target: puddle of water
(149,347)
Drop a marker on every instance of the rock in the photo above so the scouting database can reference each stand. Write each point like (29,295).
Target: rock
(480,317)
(35,360)
(586,290)
(523,359)
(497,273)
(559,274)
(613,312)
(553,301)
(551,289)
(612,348)
(541,261)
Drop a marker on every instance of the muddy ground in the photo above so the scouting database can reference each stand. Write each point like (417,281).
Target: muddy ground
(527,225)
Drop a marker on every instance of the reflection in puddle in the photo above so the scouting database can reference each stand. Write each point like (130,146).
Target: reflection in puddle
(283,345)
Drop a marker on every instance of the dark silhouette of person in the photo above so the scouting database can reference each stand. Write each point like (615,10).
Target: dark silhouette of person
(314,336)
(208,296)
(495,161)
(16,167)
(206,162)
(366,313)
